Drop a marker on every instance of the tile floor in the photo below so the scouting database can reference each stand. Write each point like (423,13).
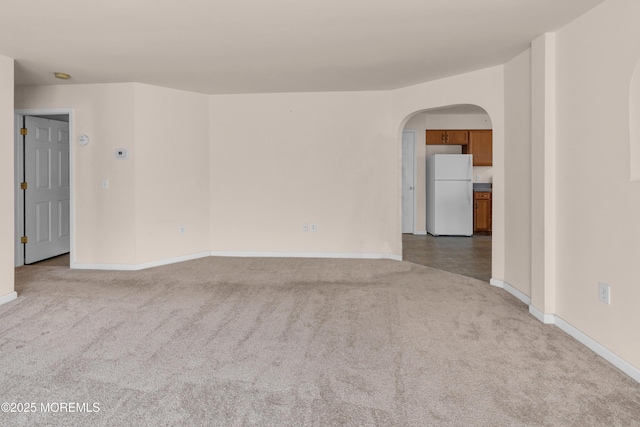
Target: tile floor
(468,256)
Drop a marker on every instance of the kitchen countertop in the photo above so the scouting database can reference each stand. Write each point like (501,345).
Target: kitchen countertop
(482,186)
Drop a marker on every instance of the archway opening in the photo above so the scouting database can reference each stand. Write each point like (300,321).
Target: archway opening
(453,132)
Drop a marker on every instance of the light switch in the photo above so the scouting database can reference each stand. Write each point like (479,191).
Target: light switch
(105,184)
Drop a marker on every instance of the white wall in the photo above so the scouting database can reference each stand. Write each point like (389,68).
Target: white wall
(281,160)
(435,120)
(634,124)
(171,173)
(484,88)
(598,231)
(517,76)
(104,218)
(164,184)
(6,181)
(543,175)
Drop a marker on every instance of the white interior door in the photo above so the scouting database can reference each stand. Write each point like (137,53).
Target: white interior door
(408,181)
(47,197)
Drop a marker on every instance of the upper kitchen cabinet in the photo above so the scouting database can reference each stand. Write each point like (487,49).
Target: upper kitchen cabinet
(481,146)
(447,137)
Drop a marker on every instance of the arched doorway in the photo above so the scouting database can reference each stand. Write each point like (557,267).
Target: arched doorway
(470,256)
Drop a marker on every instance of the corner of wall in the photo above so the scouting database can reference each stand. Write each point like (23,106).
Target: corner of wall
(634,124)
(7,288)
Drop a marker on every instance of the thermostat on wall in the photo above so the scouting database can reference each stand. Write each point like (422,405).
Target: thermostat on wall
(122,153)
(83,140)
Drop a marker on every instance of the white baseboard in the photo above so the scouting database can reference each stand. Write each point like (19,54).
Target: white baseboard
(552,319)
(547,319)
(306,255)
(598,348)
(135,267)
(420,233)
(8,298)
(584,339)
(513,291)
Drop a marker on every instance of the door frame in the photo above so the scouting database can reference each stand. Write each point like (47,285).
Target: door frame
(19,173)
(415,175)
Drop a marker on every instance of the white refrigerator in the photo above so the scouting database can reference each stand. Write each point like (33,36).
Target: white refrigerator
(450,194)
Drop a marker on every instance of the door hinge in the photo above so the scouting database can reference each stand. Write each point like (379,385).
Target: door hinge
(24,239)
(24,185)
(23,131)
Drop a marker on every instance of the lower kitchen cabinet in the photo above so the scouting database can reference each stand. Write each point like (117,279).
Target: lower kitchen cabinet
(482,211)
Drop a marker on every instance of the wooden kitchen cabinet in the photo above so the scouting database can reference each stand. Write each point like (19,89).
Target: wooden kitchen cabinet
(447,137)
(482,211)
(481,146)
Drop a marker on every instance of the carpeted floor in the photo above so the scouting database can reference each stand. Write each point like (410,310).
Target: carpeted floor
(294,342)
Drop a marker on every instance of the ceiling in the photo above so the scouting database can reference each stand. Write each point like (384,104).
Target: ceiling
(255,46)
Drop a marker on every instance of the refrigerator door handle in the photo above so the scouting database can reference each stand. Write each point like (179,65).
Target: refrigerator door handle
(470,192)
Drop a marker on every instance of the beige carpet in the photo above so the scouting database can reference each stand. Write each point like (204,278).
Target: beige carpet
(294,342)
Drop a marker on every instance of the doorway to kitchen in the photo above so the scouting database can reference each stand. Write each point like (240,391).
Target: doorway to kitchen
(469,256)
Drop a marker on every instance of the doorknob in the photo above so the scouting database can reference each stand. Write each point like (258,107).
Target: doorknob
(410,188)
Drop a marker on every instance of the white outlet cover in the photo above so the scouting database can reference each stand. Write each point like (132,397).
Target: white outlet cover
(604,293)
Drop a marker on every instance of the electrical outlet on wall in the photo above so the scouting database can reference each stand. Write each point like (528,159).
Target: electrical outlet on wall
(305,227)
(313,227)
(604,293)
